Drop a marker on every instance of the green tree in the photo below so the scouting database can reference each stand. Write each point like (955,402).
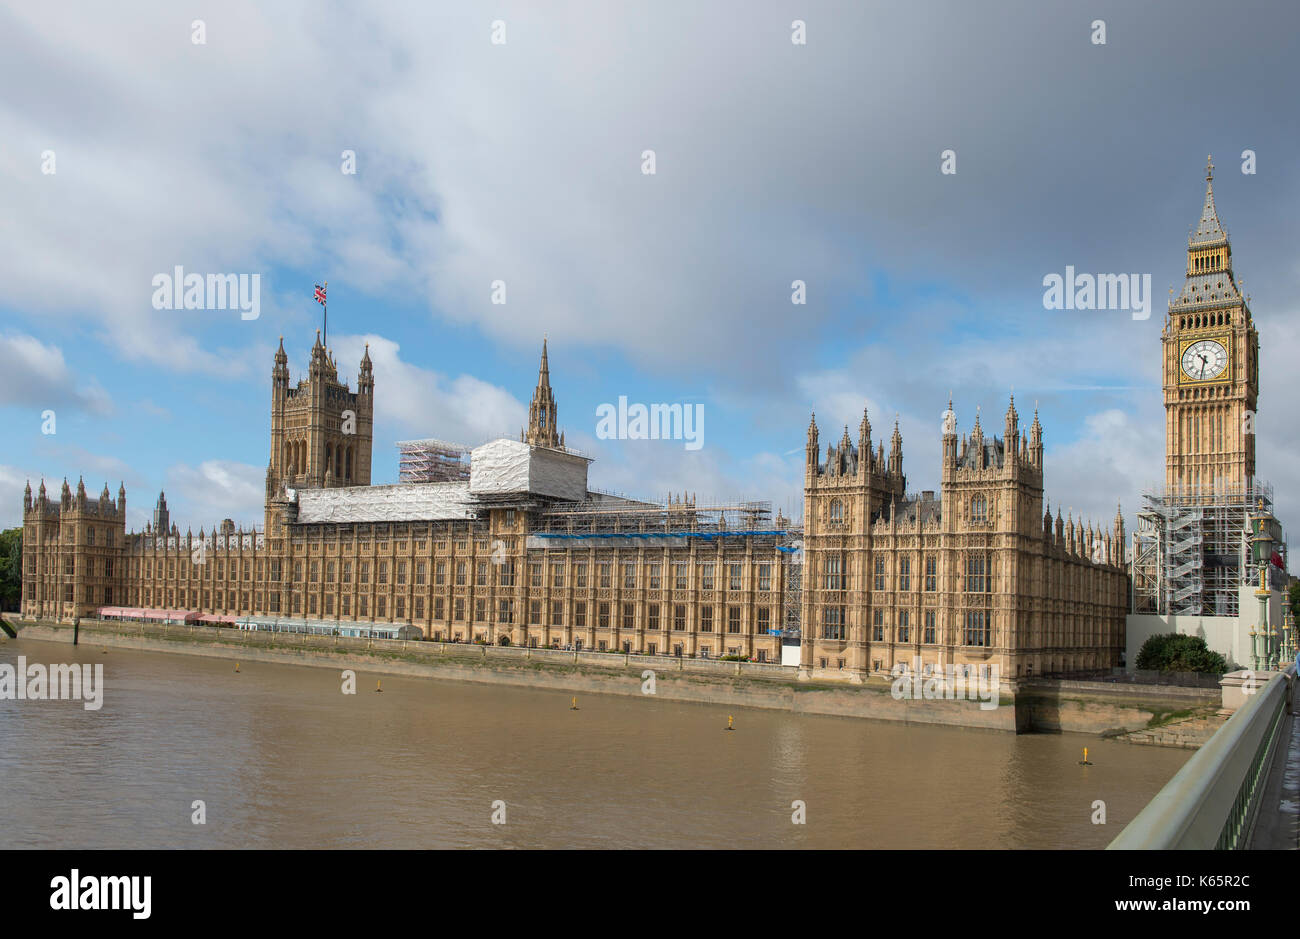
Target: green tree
(1173,652)
(11,569)
(1293,596)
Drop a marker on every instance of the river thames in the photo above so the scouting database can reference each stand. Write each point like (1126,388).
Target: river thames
(281,758)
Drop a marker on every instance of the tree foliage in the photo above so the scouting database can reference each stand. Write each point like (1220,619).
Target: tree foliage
(11,569)
(1174,652)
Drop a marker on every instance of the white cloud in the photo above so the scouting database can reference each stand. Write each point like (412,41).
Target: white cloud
(416,402)
(201,496)
(34,374)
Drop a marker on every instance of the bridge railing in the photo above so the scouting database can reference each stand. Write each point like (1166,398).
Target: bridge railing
(1212,801)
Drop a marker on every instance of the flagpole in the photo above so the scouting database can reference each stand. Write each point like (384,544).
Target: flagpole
(325,306)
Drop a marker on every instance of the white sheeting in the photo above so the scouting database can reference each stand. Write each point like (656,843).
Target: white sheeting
(399,503)
(511,467)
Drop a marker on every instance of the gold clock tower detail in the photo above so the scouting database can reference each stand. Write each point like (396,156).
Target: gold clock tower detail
(1211,369)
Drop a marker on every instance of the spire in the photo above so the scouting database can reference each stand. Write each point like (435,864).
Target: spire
(864,435)
(27,496)
(542,431)
(1208,230)
(366,379)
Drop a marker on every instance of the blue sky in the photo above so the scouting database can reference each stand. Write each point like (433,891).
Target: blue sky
(522,161)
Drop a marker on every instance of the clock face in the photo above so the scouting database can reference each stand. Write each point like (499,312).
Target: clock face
(1204,359)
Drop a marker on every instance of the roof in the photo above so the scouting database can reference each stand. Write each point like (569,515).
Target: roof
(397,503)
(1214,287)
(1209,230)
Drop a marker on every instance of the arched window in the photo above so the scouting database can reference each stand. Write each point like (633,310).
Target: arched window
(837,510)
(979,509)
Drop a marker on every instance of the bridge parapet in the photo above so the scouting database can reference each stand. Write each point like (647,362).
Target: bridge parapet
(1213,801)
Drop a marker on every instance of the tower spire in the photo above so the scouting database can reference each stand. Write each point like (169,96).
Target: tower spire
(1209,230)
(542,430)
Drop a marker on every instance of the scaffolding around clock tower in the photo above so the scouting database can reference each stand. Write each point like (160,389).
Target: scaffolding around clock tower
(1191,549)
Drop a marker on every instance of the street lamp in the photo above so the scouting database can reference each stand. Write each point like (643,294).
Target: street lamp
(1262,550)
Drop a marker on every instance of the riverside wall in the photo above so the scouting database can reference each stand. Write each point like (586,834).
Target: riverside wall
(1041,706)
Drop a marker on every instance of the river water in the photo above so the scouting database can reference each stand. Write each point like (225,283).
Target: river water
(281,758)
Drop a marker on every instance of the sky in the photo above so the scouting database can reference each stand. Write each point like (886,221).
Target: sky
(508,146)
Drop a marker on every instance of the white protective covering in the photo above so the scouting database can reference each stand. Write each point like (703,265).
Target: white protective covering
(510,467)
(406,502)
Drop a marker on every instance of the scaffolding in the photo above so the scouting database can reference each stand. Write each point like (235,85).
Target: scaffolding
(432,461)
(680,515)
(612,521)
(1191,549)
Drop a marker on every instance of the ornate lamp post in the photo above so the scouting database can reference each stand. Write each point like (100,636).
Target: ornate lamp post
(1262,551)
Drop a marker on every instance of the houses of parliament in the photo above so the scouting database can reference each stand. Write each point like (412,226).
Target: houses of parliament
(980,573)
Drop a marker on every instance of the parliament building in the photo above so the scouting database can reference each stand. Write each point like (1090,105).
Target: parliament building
(519,551)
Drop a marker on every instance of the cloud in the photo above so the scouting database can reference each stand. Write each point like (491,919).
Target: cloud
(203,495)
(35,375)
(417,402)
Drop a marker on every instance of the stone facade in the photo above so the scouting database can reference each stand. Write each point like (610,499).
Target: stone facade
(604,574)
(980,575)
(1211,369)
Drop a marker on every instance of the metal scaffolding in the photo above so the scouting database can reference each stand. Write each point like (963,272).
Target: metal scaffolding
(1191,549)
(432,461)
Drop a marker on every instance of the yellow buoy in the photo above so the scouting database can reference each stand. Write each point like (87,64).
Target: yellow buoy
(379,687)
(236,667)
(574,705)
(1084,761)
(730,720)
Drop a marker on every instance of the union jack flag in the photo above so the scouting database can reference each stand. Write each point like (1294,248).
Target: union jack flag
(320,294)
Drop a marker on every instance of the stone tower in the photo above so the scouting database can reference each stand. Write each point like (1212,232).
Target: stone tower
(1211,369)
(73,552)
(542,430)
(321,431)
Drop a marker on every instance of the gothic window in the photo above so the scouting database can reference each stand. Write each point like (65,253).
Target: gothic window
(929,637)
(976,632)
(837,511)
(834,573)
(904,630)
(832,622)
(931,576)
(880,574)
(977,574)
(904,573)
(979,509)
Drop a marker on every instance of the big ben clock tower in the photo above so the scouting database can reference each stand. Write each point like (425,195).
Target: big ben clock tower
(1211,370)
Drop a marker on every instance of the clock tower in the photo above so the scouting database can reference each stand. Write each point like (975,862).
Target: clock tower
(1211,370)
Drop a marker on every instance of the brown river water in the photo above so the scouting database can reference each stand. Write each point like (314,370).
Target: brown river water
(281,758)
